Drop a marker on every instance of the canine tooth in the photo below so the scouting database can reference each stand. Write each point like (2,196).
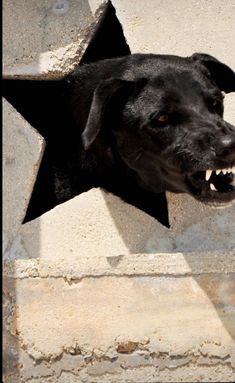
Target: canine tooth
(233,169)
(208,174)
(212,187)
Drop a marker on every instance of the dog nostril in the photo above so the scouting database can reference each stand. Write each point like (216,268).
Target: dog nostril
(226,142)
(226,147)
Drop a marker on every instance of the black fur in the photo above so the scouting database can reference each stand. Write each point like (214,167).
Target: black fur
(152,123)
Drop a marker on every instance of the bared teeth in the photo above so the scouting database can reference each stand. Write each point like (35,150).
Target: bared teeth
(208,174)
(212,187)
(219,171)
(228,170)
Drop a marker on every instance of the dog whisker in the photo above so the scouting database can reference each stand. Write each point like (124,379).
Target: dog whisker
(139,155)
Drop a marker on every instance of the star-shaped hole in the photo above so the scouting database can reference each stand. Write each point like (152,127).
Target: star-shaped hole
(45,105)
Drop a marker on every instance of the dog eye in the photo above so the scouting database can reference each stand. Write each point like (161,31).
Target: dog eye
(163,118)
(160,119)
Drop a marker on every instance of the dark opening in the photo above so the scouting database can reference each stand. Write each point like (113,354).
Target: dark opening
(41,104)
(108,41)
(44,104)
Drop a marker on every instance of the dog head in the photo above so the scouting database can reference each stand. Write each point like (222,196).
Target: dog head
(164,118)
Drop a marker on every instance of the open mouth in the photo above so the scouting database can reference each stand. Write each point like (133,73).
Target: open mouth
(213,186)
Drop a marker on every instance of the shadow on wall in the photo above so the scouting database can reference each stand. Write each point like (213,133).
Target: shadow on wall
(205,231)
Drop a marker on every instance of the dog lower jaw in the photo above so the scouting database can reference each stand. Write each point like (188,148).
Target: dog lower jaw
(220,201)
(215,189)
(213,198)
(198,187)
(221,205)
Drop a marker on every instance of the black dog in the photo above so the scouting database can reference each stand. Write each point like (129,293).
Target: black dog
(152,123)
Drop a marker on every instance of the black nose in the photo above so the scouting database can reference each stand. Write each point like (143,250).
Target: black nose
(226,147)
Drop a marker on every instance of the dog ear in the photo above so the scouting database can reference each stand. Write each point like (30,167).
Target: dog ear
(222,75)
(104,93)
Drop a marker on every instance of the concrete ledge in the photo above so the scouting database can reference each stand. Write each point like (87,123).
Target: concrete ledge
(138,329)
(77,268)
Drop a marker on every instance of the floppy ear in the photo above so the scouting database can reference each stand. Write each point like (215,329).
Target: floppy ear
(103,94)
(222,75)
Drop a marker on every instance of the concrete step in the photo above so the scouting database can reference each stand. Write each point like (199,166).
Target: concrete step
(126,328)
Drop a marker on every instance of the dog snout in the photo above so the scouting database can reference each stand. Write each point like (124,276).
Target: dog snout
(226,147)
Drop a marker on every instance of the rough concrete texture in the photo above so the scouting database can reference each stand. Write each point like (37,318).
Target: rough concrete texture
(89,310)
(159,264)
(229,111)
(179,27)
(139,329)
(46,39)
(98,223)
(22,152)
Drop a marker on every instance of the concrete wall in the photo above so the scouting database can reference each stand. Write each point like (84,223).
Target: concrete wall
(46,39)
(96,290)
